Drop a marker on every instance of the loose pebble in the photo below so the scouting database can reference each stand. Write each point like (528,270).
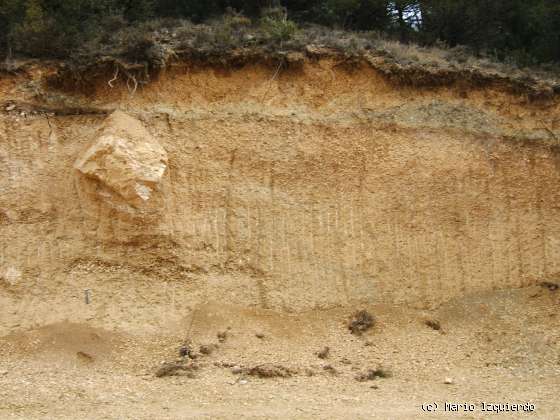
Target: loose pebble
(236,370)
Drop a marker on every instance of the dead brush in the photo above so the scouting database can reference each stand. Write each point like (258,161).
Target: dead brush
(269,370)
(178,368)
(361,322)
(372,374)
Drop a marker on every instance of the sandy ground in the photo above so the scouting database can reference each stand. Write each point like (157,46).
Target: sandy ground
(501,347)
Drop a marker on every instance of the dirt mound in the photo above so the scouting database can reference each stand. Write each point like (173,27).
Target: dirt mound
(63,340)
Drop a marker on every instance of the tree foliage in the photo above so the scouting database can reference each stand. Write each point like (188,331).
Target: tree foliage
(519,30)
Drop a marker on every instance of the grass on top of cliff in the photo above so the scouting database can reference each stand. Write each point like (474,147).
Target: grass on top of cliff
(142,49)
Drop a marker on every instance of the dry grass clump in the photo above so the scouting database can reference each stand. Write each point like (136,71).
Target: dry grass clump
(372,374)
(177,368)
(273,31)
(269,370)
(361,322)
(440,57)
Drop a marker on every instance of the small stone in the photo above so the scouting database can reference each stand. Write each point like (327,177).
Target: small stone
(207,349)
(236,370)
(3,372)
(448,381)
(259,334)
(550,286)
(243,382)
(84,357)
(434,324)
(324,353)
(184,351)
(330,369)
(10,107)
(227,364)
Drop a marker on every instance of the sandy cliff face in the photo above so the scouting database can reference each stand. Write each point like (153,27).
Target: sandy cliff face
(314,188)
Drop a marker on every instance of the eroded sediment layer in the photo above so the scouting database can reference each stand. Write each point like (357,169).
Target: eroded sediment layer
(297,190)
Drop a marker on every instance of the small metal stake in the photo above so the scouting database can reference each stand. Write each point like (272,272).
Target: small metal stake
(86,293)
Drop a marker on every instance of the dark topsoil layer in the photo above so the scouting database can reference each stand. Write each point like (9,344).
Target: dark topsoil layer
(139,56)
(409,74)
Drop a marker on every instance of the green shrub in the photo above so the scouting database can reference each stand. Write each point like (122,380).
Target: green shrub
(276,26)
(38,34)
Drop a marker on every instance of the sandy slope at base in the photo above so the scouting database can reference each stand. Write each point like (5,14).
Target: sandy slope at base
(499,347)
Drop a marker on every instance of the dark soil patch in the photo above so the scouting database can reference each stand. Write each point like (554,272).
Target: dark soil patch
(176,369)
(434,324)
(553,287)
(330,369)
(323,354)
(360,322)
(372,374)
(184,351)
(84,357)
(268,370)
(207,349)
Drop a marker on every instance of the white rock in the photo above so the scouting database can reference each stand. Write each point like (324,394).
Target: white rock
(125,159)
(12,275)
(236,370)
(448,381)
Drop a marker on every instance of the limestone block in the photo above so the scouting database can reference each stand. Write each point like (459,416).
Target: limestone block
(127,161)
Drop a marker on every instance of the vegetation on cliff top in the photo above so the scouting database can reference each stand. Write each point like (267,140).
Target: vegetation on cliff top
(517,31)
(423,43)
